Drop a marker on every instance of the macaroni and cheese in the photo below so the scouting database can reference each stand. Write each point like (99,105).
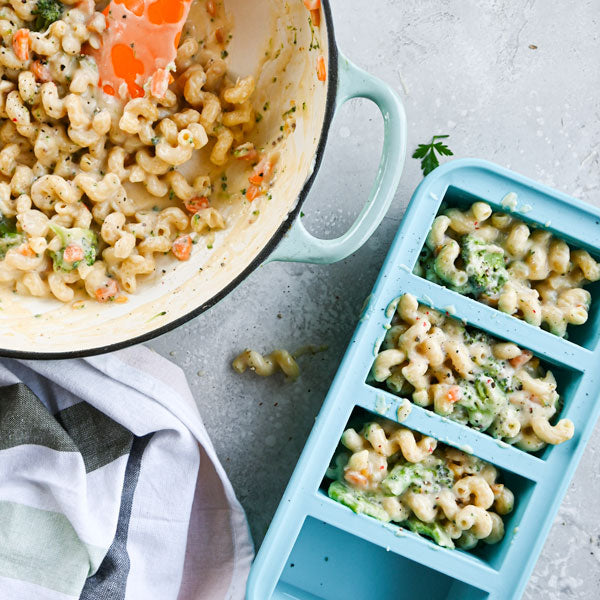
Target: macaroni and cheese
(470,377)
(394,474)
(74,159)
(497,259)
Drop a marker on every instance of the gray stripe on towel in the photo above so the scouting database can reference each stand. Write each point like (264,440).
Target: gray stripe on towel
(25,420)
(99,439)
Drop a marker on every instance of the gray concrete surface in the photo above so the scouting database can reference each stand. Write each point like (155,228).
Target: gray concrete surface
(467,68)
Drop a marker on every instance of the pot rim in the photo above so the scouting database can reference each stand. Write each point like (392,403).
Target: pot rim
(332,84)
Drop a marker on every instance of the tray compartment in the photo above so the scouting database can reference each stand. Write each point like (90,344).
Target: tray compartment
(325,557)
(566,223)
(489,555)
(567,378)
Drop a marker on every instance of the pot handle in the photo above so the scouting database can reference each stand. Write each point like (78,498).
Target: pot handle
(298,245)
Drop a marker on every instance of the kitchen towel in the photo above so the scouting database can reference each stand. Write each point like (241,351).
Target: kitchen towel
(110,488)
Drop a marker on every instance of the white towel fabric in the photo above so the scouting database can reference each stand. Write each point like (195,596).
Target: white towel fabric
(110,488)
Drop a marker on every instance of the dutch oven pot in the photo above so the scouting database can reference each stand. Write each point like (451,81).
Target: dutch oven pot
(274,39)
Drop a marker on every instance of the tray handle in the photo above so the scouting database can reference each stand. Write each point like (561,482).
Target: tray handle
(299,245)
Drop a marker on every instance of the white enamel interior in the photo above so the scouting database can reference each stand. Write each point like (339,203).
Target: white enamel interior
(46,326)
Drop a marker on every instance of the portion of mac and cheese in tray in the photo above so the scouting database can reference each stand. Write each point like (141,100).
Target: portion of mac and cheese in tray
(470,377)
(394,474)
(497,259)
(93,186)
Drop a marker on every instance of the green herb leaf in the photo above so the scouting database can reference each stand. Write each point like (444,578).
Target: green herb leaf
(427,153)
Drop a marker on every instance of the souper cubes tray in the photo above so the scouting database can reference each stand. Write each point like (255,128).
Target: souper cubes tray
(319,549)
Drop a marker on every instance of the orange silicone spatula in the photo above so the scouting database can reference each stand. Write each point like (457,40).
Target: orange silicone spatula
(139,46)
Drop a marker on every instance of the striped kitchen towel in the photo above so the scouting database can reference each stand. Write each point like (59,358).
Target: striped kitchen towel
(110,488)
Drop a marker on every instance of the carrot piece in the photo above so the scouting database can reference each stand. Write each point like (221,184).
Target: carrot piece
(262,172)
(312,4)
(211,8)
(182,247)
(220,35)
(315,17)
(41,71)
(252,193)
(321,69)
(196,204)
(159,84)
(355,478)
(26,250)
(20,44)
(73,253)
(107,291)
(519,361)
(454,394)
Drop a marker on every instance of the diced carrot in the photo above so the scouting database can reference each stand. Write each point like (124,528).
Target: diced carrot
(211,8)
(519,361)
(220,35)
(195,204)
(321,69)
(312,4)
(182,247)
(26,250)
(73,253)
(41,71)
(252,193)
(159,84)
(262,172)
(454,394)
(356,479)
(108,291)
(20,44)
(315,17)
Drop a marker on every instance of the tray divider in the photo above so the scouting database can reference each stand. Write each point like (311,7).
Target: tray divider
(498,324)
(449,432)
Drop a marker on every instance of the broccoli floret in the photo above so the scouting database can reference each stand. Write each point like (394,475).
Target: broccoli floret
(336,468)
(499,371)
(484,264)
(85,239)
(47,11)
(482,400)
(360,502)
(8,225)
(431,530)
(9,237)
(421,479)
(8,241)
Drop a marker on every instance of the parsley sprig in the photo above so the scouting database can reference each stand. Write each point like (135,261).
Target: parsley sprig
(428,153)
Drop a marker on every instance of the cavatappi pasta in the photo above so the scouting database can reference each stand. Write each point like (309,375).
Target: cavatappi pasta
(265,366)
(497,259)
(394,474)
(470,377)
(70,155)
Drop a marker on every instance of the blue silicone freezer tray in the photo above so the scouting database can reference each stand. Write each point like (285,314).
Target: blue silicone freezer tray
(319,549)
